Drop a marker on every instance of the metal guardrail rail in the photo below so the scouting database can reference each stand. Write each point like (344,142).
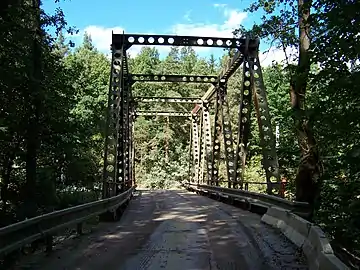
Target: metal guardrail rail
(19,234)
(256,199)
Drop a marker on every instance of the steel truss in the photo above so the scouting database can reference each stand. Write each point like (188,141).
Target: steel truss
(206,138)
(172,78)
(168,99)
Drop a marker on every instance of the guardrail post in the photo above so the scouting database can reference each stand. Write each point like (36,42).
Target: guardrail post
(79,228)
(246,186)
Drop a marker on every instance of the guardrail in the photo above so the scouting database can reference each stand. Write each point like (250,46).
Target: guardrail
(307,236)
(254,199)
(19,234)
(288,216)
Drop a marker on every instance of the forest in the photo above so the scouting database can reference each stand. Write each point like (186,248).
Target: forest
(54,99)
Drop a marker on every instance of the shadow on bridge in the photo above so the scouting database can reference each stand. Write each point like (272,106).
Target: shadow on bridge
(175,229)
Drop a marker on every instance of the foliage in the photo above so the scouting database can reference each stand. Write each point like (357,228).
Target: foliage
(63,108)
(54,101)
(331,101)
(162,143)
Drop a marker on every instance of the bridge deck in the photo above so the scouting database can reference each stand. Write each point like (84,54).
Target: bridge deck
(177,230)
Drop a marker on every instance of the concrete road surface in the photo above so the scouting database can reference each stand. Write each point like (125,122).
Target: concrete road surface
(176,230)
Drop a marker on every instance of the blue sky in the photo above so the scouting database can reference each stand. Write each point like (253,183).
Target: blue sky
(186,17)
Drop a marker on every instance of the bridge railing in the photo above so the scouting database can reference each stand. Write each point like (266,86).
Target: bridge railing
(254,199)
(19,234)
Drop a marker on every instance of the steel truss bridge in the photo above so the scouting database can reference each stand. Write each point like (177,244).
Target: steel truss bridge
(178,229)
(119,172)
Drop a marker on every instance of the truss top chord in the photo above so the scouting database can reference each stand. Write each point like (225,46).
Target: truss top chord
(172,40)
(229,69)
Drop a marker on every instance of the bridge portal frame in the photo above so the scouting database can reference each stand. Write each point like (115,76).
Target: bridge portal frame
(118,171)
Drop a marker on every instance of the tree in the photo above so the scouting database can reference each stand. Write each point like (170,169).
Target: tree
(325,77)
(60,47)
(38,132)
(282,28)
(87,42)
(213,64)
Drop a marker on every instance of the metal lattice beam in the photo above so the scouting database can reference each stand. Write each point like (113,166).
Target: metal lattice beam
(171,40)
(196,148)
(227,134)
(169,99)
(267,138)
(206,137)
(114,131)
(159,113)
(172,78)
(243,128)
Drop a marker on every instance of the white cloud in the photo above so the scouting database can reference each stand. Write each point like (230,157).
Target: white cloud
(233,19)
(101,36)
(277,55)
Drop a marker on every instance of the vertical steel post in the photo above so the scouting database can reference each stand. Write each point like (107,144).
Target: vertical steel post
(131,146)
(216,141)
(190,153)
(227,134)
(124,140)
(202,148)
(111,165)
(207,142)
(267,138)
(243,123)
(195,145)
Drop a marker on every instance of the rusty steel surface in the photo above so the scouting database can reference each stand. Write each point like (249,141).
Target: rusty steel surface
(128,40)
(176,230)
(209,138)
(159,113)
(173,78)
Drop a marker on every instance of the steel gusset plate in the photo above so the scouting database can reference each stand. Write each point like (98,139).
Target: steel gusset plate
(173,78)
(227,135)
(216,141)
(243,124)
(267,138)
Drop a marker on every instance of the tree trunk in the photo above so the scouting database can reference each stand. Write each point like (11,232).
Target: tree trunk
(309,170)
(32,140)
